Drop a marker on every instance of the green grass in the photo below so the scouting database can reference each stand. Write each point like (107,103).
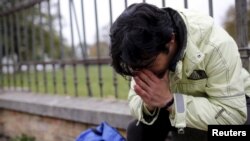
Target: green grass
(11,80)
(23,137)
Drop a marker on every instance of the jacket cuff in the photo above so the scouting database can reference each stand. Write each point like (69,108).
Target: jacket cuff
(178,115)
(147,117)
(146,111)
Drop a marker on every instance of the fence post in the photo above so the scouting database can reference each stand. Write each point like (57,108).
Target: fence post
(241,28)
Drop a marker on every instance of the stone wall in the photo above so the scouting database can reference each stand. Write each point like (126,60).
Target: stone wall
(43,128)
(55,118)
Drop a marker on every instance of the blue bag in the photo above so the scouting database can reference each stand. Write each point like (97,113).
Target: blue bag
(103,132)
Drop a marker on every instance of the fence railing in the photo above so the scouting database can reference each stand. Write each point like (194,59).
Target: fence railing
(61,46)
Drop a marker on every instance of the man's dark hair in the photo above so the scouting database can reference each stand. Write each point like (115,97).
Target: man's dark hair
(138,35)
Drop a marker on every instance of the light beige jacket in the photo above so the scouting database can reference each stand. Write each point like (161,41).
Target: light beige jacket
(209,83)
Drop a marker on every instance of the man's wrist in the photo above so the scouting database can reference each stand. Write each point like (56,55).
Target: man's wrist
(168,104)
(149,108)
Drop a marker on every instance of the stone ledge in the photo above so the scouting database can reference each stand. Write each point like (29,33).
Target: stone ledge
(78,109)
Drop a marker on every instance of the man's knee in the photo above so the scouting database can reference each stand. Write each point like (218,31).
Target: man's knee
(134,132)
(132,126)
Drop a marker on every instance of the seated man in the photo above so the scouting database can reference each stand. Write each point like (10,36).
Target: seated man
(186,72)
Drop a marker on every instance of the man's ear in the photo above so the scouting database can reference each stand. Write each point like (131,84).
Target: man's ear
(173,38)
(172,41)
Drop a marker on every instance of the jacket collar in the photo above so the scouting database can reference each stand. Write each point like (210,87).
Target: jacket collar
(192,56)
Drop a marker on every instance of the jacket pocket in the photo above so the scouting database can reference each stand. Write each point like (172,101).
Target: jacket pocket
(197,75)
(193,87)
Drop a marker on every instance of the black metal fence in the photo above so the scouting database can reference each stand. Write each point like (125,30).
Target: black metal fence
(42,53)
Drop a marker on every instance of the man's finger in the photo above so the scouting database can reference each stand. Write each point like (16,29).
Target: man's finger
(142,84)
(145,78)
(139,91)
(165,77)
(151,75)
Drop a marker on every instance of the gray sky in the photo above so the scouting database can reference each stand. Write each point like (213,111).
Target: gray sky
(220,8)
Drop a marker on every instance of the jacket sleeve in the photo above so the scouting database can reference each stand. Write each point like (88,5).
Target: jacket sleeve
(225,101)
(137,108)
